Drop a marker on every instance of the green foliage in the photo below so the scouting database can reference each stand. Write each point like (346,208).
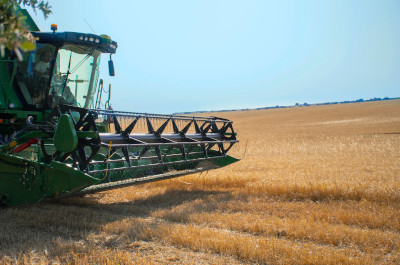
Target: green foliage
(13,32)
(43,6)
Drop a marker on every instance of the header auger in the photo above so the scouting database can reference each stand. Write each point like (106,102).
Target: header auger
(55,144)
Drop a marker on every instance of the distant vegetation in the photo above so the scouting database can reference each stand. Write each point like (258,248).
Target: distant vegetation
(305,104)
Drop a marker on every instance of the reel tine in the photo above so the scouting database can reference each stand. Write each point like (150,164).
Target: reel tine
(116,125)
(196,126)
(182,147)
(158,151)
(162,127)
(184,131)
(149,125)
(144,150)
(126,155)
(176,130)
(203,147)
(129,129)
(207,128)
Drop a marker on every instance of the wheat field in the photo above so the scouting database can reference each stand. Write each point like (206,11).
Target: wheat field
(315,185)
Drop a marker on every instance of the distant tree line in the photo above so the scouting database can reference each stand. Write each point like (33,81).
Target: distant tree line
(305,104)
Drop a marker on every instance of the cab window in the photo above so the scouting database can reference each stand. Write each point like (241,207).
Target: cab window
(33,73)
(75,76)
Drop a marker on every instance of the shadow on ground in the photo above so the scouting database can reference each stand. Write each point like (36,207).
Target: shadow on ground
(48,227)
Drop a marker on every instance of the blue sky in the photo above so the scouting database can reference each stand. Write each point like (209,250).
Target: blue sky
(209,55)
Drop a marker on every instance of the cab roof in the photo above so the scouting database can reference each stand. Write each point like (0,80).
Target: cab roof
(102,43)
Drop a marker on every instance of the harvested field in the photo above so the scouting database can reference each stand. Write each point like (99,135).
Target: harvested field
(316,185)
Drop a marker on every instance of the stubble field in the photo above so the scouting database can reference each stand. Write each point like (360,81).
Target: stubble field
(316,185)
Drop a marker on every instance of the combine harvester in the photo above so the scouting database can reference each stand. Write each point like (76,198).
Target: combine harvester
(56,141)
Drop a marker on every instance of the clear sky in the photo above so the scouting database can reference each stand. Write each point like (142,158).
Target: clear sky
(224,54)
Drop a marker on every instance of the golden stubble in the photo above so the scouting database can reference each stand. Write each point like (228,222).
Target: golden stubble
(316,185)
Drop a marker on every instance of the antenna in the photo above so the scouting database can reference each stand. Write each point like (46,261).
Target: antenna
(90,26)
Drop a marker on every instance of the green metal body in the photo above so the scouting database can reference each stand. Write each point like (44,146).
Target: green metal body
(50,152)
(65,137)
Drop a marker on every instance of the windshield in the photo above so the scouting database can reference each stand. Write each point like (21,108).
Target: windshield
(32,75)
(75,76)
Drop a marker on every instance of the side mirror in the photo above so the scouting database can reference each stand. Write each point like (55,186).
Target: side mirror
(111,70)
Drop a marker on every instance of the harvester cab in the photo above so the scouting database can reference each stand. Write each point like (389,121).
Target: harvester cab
(55,142)
(63,69)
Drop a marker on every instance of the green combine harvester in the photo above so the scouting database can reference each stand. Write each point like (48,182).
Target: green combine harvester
(56,141)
